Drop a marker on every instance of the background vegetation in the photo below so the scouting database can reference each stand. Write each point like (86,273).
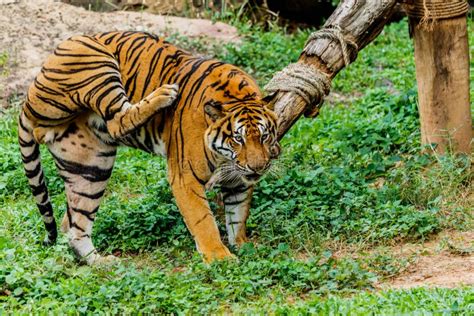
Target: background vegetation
(355,177)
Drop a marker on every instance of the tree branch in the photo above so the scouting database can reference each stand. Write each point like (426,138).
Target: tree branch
(361,21)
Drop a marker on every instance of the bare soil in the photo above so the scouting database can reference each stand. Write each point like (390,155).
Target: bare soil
(29,31)
(445,261)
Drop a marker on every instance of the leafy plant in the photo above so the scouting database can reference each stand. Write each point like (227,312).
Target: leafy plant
(355,175)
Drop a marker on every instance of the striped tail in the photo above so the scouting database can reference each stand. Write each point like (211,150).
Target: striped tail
(30,155)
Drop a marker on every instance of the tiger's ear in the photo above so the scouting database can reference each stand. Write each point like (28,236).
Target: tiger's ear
(269,100)
(215,110)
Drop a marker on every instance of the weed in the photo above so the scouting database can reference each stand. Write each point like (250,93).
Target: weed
(3,63)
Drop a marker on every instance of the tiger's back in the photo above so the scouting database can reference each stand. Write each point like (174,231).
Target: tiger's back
(121,88)
(99,68)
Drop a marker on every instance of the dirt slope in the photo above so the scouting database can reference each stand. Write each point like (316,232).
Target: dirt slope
(29,30)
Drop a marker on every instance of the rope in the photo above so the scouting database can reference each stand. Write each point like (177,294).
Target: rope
(428,10)
(331,33)
(307,82)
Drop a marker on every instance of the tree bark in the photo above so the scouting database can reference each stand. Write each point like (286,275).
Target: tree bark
(361,21)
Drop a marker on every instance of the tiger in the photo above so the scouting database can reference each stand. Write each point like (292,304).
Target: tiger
(208,118)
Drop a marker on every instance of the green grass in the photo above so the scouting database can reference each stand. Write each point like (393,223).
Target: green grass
(354,175)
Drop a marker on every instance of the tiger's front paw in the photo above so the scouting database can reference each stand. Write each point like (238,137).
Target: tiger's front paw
(95,259)
(241,239)
(163,97)
(217,253)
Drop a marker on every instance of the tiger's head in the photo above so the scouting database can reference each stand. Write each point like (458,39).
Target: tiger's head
(244,135)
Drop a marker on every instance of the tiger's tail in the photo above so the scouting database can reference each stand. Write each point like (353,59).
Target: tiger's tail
(30,155)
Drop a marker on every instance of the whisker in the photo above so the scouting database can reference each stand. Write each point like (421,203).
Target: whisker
(226,173)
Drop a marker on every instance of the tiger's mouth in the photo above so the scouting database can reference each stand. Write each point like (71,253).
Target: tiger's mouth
(249,176)
(253,177)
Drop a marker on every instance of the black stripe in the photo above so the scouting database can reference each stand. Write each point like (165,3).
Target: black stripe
(43,88)
(107,153)
(151,68)
(34,172)
(38,189)
(236,190)
(90,173)
(45,198)
(234,202)
(235,222)
(111,38)
(77,70)
(112,64)
(223,86)
(86,213)
(242,84)
(71,223)
(107,92)
(52,231)
(81,84)
(24,143)
(203,218)
(55,104)
(201,181)
(23,127)
(202,197)
(232,192)
(92,196)
(136,44)
(45,209)
(42,117)
(31,157)
(94,48)
(115,80)
(71,129)
(114,107)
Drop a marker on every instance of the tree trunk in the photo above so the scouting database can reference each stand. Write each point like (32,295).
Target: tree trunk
(442,73)
(361,21)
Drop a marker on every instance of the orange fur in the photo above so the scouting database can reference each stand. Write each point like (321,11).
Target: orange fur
(131,88)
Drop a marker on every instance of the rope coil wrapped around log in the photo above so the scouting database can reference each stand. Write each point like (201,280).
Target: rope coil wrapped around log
(432,10)
(332,33)
(309,83)
(304,80)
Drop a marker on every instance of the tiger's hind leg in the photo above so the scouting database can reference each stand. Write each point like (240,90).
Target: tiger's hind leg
(83,74)
(85,163)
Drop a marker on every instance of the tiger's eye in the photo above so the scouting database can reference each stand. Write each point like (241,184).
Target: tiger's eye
(265,136)
(238,138)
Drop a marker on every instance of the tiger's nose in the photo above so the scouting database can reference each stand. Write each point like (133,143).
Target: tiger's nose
(259,167)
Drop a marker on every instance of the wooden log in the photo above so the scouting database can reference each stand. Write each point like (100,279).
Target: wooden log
(361,21)
(442,73)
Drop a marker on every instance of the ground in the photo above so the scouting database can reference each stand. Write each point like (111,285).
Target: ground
(355,218)
(447,260)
